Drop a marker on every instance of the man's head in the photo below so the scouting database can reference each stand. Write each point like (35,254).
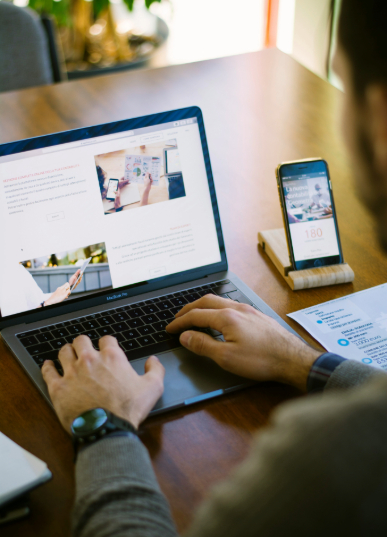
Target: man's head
(361,63)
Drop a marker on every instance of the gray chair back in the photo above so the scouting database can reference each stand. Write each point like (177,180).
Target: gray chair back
(24,50)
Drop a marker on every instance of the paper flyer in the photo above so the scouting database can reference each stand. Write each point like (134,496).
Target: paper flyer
(354,327)
(136,166)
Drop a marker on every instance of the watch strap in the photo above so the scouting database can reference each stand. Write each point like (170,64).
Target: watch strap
(114,424)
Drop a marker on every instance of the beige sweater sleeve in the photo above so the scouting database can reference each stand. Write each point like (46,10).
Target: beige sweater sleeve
(319,469)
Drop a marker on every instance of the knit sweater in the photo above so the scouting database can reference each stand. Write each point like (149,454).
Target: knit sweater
(319,468)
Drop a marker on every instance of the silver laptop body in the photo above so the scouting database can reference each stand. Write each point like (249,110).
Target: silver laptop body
(160,251)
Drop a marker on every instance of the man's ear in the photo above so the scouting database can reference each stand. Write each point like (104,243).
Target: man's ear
(376,117)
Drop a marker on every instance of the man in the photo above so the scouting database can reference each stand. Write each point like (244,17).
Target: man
(321,467)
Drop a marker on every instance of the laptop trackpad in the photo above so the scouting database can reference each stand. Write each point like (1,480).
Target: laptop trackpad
(188,375)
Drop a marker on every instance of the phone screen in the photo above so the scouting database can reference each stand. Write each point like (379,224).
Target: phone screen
(310,214)
(112,189)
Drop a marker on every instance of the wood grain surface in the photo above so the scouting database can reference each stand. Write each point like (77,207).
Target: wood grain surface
(259,109)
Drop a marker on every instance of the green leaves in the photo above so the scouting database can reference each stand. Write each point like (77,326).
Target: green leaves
(60,9)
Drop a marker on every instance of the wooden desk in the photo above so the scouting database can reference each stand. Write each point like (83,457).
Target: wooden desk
(260,109)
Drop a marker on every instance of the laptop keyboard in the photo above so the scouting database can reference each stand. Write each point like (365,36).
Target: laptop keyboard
(139,328)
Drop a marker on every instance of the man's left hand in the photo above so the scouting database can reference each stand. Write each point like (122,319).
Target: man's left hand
(102,379)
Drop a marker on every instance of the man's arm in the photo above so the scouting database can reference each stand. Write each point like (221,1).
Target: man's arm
(255,346)
(117,491)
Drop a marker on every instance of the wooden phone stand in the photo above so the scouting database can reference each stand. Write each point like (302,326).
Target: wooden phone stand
(274,243)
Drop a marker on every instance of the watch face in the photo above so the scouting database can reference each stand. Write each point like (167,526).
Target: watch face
(89,421)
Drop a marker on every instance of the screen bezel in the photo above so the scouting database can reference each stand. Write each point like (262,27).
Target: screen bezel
(104,297)
(306,167)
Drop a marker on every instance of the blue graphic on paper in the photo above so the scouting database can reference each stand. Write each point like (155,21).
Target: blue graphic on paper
(354,326)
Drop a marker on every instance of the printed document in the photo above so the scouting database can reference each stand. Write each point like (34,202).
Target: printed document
(136,166)
(354,327)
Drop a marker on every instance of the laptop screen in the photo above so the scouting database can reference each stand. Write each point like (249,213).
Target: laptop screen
(100,214)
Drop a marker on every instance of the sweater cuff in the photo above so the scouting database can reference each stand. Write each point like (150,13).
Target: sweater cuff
(322,370)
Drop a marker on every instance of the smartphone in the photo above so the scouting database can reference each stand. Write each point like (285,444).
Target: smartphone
(112,189)
(83,268)
(309,215)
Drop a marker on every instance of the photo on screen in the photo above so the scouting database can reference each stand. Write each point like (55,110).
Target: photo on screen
(139,176)
(307,200)
(58,277)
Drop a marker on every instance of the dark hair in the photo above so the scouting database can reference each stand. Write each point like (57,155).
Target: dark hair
(101,178)
(362,34)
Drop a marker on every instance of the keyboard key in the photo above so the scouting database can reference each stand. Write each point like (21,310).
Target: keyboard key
(135,323)
(175,310)
(160,326)
(225,288)
(59,325)
(44,329)
(90,317)
(137,312)
(146,340)
(91,325)
(149,319)
(206,292)
(130,345)
(105,331)
(41,358)
(46,336)
(61,332)
(140,303)
(29,340)
(145,330)
(92,334)
(165,305)
(164,315)
(75,329)
(57,343)
(119,327)
(180,301)
(106,320)
(120,336)
(162,336)
(40,349)
(119,317)
(27,334)
(192,297)
(131,334)
(150,309)
(240,297)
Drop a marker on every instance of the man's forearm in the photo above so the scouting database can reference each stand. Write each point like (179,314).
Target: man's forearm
(117,493)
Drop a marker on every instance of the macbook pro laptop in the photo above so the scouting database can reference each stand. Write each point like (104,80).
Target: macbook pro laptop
(146,261)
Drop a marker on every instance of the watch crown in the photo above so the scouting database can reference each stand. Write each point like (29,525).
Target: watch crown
(92,438)
(102,432)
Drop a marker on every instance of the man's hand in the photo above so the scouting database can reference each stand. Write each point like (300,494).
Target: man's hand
(102,379)
(255,346)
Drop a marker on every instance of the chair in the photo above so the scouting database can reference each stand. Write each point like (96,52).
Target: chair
(28,54)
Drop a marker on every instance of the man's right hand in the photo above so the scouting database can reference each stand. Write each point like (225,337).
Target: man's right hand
(255,346)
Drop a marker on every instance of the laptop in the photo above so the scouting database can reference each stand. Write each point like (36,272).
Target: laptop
(145,262)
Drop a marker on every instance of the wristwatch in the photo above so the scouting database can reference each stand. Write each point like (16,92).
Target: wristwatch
(95,424)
